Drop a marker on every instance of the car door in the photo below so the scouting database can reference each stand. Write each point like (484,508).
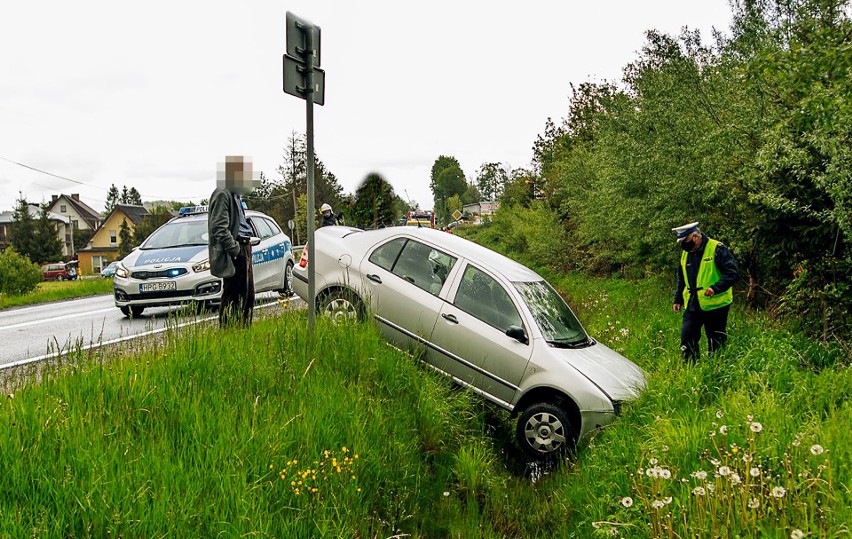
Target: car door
(263,270)
(279,245)
(471,333)
(404,279)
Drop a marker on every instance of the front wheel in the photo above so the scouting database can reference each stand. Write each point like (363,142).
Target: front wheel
(287,291)
(132,311)
(60,278)
(544,431)
(341,306)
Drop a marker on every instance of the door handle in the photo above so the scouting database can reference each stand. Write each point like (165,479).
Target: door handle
(374,278)
(450,318)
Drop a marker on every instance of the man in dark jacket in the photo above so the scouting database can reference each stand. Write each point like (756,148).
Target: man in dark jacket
(704,280)
(328,217)
(230,241)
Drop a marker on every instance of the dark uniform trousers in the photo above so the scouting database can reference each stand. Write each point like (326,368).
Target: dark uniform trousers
(714,322)
(237,304)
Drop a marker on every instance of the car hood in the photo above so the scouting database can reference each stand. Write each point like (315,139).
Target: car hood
(616,375)
(175,255)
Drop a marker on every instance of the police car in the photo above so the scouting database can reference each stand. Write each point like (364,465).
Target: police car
(172,266)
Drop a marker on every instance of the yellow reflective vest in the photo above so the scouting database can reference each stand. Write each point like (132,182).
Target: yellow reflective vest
(708,275)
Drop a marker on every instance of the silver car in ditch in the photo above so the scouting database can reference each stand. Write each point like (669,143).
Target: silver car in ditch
(490,323)
(171,266)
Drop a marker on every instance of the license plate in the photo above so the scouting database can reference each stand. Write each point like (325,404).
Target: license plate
(158,287)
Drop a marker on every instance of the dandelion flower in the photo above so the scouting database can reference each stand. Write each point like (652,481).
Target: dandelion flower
(797,534)
(627,502)
(719,414)
(665,474)
(755,426)
(651,472)
(699,491)
(735,479)
(723,429)
(667,500)
(753,503)
(817,449)
(724,470)
(652,462)
(747,458)
(779,491)
(754,472)
(701,475)
(715,462)
(446,493)
(657,504)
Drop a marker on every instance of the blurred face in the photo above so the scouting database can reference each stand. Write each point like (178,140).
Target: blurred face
(236,175)
(691,242)
(326,213)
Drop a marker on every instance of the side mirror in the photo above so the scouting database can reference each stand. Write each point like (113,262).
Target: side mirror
(254,240)
(517,333)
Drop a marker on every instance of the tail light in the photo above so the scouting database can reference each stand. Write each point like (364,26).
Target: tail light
(303,262)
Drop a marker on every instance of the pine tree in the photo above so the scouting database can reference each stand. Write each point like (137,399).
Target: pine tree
(112,199)
(133,197)
(22,229)
(125,239)
(48,245)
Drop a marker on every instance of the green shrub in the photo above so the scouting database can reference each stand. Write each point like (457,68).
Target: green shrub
(17,274)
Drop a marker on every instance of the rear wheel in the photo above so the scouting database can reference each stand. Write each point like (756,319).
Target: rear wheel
(287,291)
(545,432)
(341,305)
(60,278)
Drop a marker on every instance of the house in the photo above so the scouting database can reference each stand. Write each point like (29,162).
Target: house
(482,210)
(103,247)
(64,229)
(82,216)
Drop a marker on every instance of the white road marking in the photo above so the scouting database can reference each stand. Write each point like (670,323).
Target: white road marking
(55,318)
(122,339)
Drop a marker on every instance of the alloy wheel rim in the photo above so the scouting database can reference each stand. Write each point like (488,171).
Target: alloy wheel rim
(544,432)
(340,310)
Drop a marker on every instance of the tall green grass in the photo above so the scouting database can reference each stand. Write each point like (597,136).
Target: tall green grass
(208,433)
(58,290)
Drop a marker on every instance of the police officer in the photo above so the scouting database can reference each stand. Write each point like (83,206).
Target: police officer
(704,280)
(328,217)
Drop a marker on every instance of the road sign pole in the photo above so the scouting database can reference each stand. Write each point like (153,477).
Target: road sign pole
(309,100)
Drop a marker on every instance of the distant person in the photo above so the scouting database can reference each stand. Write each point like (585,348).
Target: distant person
(230,241)
(704,280)
(328,217)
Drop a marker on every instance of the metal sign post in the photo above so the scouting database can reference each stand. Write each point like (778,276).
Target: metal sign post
(304,79)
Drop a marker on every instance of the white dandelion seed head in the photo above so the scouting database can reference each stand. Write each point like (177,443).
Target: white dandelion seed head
(797,534)
(665,474)
(612,532)
(724,470)
(657,504)
(735,479)
(754,472)
(699,491)
(719,414)
(723,429)
(652,462)
(701,475)
(711,487)
(753,503)
(667,500)
(651,472)
(779,491)
(446,494)
(749,417)
(747,458)
(715,462)
(627,501)
(817,449)
(755,426)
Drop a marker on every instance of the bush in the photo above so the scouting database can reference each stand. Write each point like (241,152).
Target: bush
(17,274)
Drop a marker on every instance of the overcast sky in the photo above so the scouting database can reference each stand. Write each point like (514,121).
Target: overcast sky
(152,94)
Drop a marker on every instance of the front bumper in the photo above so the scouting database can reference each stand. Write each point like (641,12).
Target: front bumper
(191,286)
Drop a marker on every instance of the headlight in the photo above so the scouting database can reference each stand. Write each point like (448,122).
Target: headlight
(201,266)
(121,271)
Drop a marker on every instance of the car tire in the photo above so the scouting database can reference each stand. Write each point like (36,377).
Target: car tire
(132,311)
(60,278)
(287,291)
(341,305)
(545,432)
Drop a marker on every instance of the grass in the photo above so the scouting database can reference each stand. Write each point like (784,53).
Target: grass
(209,433)
(57,290)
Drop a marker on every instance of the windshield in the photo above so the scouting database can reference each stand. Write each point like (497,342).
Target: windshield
(557,323)
(178,233)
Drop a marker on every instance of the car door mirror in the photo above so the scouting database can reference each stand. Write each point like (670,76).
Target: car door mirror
(254,240)
(517,333)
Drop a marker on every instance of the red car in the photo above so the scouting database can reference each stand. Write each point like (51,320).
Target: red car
(57,272)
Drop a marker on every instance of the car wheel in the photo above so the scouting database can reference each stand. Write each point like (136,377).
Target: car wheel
(544,431)
(341,306)
(287,291)
(133,311)
(60,278)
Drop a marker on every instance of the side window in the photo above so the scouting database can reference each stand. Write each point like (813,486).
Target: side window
(484,298)
(261,227)
(273,226)
(423,266)
(385,256)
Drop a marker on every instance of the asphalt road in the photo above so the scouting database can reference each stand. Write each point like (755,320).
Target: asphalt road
(29,334)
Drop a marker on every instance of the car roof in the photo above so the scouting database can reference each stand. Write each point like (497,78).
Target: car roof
(474,252)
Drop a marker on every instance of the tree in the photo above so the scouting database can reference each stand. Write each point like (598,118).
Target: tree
(125,239)
(133,197)
(157,217)
(125,195)
(375,201)
(18,275)
(22,230)
(490,179)
(49,245)
(447,180)
(112,199)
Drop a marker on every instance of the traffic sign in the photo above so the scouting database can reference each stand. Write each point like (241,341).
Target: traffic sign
(457,215)
(295,80)
(297,34)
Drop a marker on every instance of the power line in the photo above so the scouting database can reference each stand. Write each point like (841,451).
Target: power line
(83,183)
